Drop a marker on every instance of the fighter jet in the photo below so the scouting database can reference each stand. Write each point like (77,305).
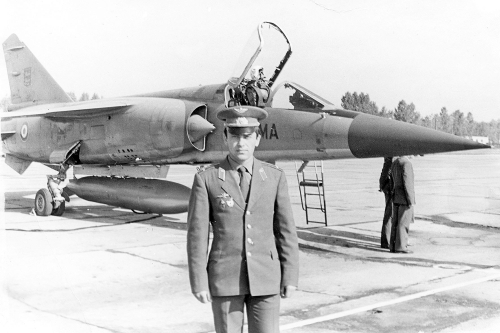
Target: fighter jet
(124,146)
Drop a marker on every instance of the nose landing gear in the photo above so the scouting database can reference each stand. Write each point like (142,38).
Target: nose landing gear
(52,200)
(45,204)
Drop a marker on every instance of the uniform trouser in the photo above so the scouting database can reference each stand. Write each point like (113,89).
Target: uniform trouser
(262,311)
(402,216)
(385,236)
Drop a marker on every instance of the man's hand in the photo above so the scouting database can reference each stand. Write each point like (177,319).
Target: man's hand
(287,291)
(203,296)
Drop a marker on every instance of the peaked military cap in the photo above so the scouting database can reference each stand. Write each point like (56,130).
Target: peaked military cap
(242,116)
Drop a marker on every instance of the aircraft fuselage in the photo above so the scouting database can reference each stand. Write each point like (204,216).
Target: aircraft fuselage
(153,130)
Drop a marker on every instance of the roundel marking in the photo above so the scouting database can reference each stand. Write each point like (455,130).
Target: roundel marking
(24,132)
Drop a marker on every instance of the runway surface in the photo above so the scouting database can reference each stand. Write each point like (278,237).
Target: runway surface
(104,269)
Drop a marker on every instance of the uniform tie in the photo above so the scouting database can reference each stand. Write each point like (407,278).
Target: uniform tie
(244,185)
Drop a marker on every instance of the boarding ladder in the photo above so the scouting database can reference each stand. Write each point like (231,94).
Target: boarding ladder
(310,179)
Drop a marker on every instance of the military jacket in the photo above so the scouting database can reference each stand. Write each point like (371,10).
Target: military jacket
(254,248)
(403,182)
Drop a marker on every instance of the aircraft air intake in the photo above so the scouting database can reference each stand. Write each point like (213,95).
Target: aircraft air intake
(197,128)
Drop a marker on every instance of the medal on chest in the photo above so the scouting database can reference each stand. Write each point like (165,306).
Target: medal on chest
(225,199)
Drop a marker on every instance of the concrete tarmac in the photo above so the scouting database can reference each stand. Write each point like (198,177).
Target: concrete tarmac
(103,269)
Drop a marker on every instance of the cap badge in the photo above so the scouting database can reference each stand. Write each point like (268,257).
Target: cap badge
(241,121)
(241,110)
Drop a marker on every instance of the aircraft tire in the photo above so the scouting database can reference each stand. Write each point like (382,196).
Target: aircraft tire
(43,202)
(59,210)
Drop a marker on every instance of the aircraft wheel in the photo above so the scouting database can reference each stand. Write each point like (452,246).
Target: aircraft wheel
(43,202)
(59,210)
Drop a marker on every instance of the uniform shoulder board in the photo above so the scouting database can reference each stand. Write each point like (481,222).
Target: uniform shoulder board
(222,174)
(206,167)
(271,165)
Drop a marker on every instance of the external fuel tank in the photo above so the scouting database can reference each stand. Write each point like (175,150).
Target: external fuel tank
(145,195)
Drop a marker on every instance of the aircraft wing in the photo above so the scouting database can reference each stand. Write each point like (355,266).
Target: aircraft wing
(7,134)
(72,110)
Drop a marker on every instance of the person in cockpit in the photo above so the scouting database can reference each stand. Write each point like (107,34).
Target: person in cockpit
(257,90)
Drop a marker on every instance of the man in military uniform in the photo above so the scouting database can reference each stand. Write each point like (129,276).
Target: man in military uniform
(253,260)
(403,201)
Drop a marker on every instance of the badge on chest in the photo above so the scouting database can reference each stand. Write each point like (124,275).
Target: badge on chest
(225,200)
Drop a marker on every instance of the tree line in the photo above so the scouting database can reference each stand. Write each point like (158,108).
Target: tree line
(83,97)
(450,122)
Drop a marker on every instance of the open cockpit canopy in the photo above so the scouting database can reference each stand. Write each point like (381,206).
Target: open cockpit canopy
(268,50)
(268,47)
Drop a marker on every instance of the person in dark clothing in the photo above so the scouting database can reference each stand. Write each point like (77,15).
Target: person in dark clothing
(385,187)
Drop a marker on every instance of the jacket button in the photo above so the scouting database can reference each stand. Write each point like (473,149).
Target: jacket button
(249,254)
(248,212)
(250,241)
(249,226)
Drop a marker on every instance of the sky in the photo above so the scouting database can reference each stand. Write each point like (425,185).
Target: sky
(431,53)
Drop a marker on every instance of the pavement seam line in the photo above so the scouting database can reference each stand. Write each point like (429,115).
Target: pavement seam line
(387,303)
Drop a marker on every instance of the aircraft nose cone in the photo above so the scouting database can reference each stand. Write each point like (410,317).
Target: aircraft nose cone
(372,136)
(198,127)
